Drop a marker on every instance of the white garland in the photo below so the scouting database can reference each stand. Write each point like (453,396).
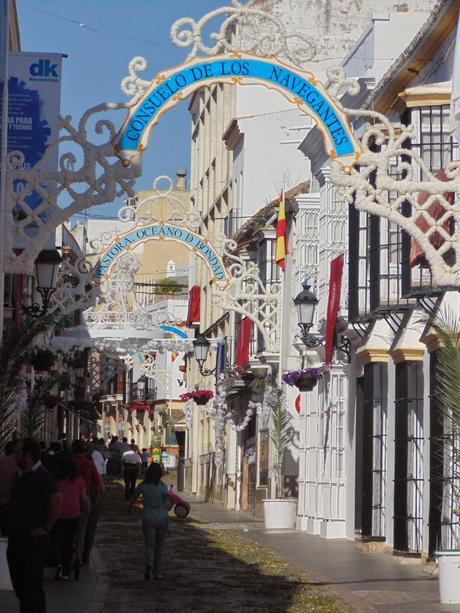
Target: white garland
(188,410)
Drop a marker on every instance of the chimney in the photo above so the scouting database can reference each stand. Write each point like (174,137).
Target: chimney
(181,178)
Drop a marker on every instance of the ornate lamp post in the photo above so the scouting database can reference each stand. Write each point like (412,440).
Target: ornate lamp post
(305,303)
(46,271)
(200,350)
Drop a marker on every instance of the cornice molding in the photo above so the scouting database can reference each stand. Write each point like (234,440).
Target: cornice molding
(368,355)
(407,354)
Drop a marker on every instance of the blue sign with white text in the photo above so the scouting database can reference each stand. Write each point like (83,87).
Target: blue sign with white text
(163,231)
(272,73)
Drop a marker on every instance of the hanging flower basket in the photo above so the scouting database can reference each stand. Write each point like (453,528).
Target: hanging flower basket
(140,408)
(201,397)
(305,380)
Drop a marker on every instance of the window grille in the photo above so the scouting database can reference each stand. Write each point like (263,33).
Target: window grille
(374,459)
(437,148)
(409,441)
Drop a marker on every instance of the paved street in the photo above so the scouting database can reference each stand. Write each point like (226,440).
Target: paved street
(365,581)
(282,571)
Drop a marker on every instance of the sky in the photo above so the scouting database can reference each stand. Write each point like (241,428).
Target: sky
(97,61)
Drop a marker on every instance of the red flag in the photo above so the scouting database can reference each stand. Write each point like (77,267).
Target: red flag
(297,404)
(281,239)
(333,304)
(242,343)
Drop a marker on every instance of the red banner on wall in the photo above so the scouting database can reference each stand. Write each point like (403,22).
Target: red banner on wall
(194,296)
(242,343)
(333,304)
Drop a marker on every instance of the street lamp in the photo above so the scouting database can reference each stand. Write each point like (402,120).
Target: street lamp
(141,388)
(46,271)
(305,303)
(200,350)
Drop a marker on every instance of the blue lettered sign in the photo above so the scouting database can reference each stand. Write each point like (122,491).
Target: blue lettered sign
(299,87)
(163,231)
(34,94)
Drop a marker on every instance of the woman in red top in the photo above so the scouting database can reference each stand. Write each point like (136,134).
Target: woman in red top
(73,490)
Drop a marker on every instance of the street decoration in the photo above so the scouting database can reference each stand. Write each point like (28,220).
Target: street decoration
(300,87)
(200,397)
(100,162)
(305,379)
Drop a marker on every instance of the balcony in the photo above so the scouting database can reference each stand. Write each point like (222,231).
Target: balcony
(138,392)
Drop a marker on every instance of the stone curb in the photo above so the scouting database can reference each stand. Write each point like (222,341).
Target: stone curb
(99,595)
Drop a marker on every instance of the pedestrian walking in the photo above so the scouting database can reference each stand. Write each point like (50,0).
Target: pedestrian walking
(131,463)
(115,456)
(8,475)
(124,445)
(34,508)
(94,486)
(74,499)
(145,460)
(98,459)
(155,518)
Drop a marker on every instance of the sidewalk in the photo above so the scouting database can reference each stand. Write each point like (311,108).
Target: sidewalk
(83,596)
(367,581)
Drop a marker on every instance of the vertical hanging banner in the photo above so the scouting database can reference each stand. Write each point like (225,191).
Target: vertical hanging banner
(34,99)
(243,341)
(333,304)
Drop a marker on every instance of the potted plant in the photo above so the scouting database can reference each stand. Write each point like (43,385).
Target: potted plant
(304,379)
(447,393)
(201,397)
(279,512)
(42,359)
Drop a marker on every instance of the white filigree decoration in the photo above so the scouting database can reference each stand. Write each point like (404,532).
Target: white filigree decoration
(243,29)
(218,412)
(88,174)
(76,288)
(246,294)
(394,182)
(119,306)
(188,410)
(339,82)
(133,85)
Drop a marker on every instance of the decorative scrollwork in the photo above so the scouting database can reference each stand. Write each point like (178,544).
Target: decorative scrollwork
(339,82)
(76,288)
(244,29)
(132,85)
(394,182)
(94,176)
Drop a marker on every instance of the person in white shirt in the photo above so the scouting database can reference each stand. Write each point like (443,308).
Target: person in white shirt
(131,462)
(99,460)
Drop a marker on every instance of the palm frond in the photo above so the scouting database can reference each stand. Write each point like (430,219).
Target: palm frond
(14,353)
(281,436)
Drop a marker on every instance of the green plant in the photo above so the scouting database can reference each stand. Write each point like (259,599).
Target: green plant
(33,417)
(281,436)
(447,394)
(167,286)
(14,353)
(42,359)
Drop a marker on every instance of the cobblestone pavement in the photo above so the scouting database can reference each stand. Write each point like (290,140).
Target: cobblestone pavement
(206,569)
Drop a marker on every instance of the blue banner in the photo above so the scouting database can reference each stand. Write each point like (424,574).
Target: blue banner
(303,90)
(195,242)
(34,92)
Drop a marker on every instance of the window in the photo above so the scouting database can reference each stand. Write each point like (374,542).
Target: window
(437,148)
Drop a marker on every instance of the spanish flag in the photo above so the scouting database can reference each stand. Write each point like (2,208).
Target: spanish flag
(281,240)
